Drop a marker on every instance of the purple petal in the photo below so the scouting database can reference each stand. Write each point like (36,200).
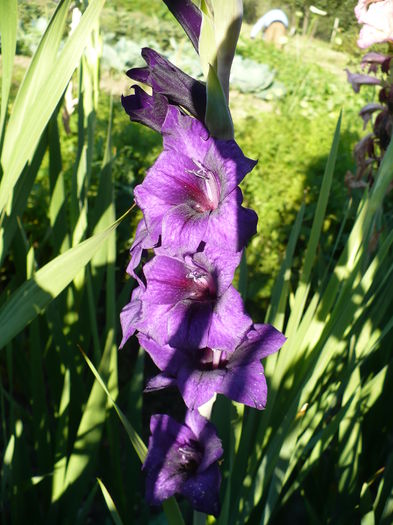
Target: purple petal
(206,434)
(183,228)
(163,479)
(197,387)
(261,341)
(182,133)
(130,316)
(246,384)
(146,109)
(188,324)
(203,491)
(167,281)
(231,225)
(140,74)
(142,241)
(164,357)
(229,312)
(219,262)
(159,382)
(188,16)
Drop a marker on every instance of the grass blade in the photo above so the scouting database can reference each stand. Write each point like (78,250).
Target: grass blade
(110,504)
(19,144)
(36,293)
(8,27)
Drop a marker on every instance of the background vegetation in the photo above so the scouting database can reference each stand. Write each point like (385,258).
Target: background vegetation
(314,455)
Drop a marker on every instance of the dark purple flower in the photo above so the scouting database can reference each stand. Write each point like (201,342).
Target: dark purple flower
(373,60)
(146,109)
(183,459)
(383,128)
(357,80)
(191,193)
(189,301)
(200,373)
(168,80)
(188,16)
(367,111)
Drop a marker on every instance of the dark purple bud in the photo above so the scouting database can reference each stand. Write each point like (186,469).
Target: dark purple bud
(367,111)
(373,60)
(188,16)
(168,80)
(357,80)
(386,97)
(364,154)
(146,109)
(383,128)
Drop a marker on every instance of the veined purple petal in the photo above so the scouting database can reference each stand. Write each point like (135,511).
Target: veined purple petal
(189,323)
(246,385)
(187,300)
(197,386)
(167,281)
(146,109)
(189,17)
(182,133)
(240,223)
(168,80)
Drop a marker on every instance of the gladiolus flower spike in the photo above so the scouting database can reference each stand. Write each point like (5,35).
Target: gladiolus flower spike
(187,314)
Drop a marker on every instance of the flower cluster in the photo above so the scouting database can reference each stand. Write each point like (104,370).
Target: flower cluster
(187,315)
(378,28)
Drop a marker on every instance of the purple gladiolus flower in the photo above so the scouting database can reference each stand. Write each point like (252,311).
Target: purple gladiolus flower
(188,16)
(191,193)
(200,373)
(146,109)
(183,459)
(168,80)
(189,301)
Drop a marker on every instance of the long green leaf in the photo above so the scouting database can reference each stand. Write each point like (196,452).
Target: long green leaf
(170,506)
(110,504)
(136,440)
(8,27)
(36,293)
(19,144)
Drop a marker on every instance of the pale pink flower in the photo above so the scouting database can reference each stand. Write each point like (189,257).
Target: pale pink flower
(377,17)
